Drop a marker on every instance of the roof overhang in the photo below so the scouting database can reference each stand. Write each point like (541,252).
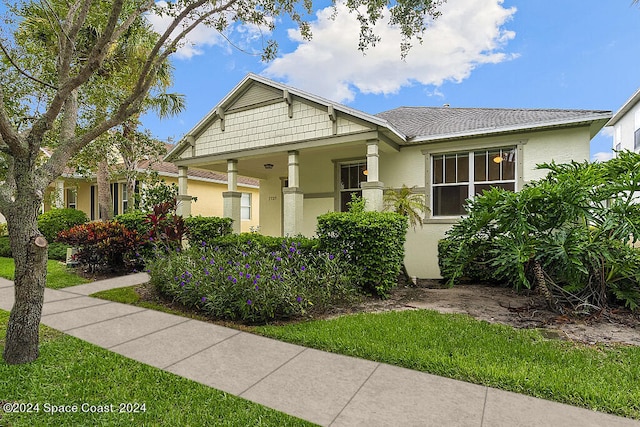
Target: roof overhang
(631,102)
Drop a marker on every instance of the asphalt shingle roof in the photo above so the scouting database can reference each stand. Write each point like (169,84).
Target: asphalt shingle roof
(426,122)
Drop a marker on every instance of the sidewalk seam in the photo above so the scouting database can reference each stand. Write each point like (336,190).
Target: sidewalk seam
(73,309)
(484,406)
(200,351)
(355,394)
(146,335)
(273,371)
(102,321)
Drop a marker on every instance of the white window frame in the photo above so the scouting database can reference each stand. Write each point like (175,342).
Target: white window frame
(341,189)
(72,202)
(469,150)
(245,206)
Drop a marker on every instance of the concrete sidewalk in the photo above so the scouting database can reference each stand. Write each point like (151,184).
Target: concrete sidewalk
(321,387)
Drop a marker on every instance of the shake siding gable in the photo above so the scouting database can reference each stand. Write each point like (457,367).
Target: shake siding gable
(269,125)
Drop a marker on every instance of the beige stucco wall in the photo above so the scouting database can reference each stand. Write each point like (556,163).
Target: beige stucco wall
(410,166)
(271,206)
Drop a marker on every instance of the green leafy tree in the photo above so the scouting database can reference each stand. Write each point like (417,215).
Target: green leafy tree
(44,88)
(571,234)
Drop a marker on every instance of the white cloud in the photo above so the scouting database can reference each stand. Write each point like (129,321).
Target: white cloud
(469,33)
(602,156)
(243,36)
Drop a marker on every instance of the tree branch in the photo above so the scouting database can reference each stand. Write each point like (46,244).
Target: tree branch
(9,135)
(21,71)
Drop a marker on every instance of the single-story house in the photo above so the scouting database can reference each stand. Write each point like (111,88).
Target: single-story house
(310,154)
(626,125)
(77,192)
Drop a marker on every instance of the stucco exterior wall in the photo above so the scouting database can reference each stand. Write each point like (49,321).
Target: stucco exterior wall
(267,126)
(271,206)
(623,130)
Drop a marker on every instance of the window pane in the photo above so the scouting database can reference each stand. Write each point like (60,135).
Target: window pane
(362,173)
(509,164)
(463,168)
(437,169)
(495,159)
(480,188)
(480,166)
(345,197)
(450,168)
(344,177)
(353,176)
(450,200)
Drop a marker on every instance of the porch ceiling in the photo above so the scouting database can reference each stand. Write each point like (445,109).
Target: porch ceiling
(253,165)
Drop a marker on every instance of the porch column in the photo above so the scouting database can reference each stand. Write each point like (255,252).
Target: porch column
(372,190)
(183,208)
(231,197)
(293,198)
(58,200)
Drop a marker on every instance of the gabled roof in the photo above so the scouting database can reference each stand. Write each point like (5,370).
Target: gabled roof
(413,125)
(631,102)
(421,124)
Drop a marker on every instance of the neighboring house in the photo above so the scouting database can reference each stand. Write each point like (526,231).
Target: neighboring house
(311,154)
(81,193)
(626,125)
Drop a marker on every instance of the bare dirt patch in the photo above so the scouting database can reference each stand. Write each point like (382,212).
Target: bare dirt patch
(506,306)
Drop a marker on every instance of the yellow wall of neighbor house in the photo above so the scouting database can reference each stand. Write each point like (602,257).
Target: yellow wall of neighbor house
(209,201)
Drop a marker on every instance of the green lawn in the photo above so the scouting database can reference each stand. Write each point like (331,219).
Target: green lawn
(57,274)
(596,377)
(72,372)
(601,378)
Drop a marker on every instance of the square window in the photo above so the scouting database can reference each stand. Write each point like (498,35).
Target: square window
(245,206)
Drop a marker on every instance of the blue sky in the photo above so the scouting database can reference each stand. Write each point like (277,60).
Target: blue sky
(480,53)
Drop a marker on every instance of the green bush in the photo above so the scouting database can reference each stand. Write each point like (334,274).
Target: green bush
(251,282)
(54,221)
(206,229)
(570,234)
(5,247)
(269,243)
(3,229)
(134,220)
(58,251)
(373,241)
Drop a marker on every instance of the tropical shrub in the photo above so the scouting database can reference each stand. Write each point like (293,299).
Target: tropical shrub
(206,229)
(570,234)
(374,242)
(251,282)
(166,229)
(57,251)
(52,222)
(134,220)
(104,245)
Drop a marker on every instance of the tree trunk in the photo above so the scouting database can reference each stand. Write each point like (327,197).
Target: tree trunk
(541,285)
(29,250)
(105,203)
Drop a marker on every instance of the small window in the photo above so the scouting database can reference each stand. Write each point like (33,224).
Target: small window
(245,206)
(636,139)
(72,198)
(352,175)
(125,198)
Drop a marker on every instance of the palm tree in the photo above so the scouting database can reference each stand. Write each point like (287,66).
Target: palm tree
(408,203)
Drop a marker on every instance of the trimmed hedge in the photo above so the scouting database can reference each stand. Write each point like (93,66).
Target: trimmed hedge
(373,241)
(206,229)
(54,221)
(135,221)
(270,243)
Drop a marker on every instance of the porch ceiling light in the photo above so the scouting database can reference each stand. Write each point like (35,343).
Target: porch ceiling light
(498,159)
(365,172)
(268,165)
